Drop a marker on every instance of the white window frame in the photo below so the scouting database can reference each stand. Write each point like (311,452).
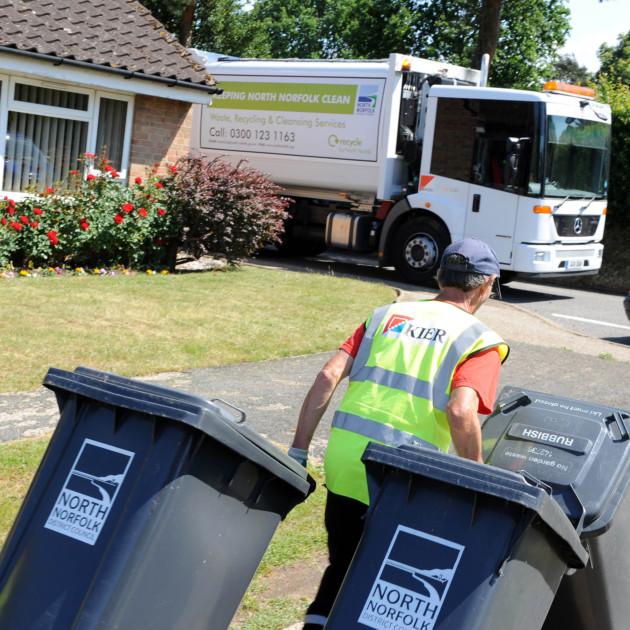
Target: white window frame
(91,115)
(4,119)
(92,133)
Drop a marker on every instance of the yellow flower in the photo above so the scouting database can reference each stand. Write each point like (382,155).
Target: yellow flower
(79,270)
(150,272)
(96,270)
(51,270)
(23,272)
(164,272)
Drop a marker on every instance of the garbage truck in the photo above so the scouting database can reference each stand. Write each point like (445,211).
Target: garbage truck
(396,158)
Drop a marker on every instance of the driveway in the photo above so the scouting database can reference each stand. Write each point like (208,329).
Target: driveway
(544,357)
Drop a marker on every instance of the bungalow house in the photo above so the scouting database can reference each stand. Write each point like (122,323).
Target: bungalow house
(86,76)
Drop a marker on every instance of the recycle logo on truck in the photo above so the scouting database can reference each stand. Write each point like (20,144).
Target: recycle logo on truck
(89,492)
(412,583)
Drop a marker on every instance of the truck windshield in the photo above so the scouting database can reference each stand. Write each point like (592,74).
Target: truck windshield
(576,160)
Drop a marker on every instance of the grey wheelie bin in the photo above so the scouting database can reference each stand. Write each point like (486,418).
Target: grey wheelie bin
(582,451)
(450,544)
(151,509)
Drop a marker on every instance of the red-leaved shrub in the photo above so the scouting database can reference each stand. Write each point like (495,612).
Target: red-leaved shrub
(223,209)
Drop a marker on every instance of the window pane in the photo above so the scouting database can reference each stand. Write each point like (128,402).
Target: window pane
(111,130)
(504,137)
(41,150)
(454,139)
(577,157)
(47,96)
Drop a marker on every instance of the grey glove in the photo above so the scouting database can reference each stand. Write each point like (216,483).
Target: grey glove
(300,455)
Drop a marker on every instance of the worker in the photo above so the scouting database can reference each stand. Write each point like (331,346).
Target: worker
(418,371)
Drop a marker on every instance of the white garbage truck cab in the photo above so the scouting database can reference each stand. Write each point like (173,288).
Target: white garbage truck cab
(399,157)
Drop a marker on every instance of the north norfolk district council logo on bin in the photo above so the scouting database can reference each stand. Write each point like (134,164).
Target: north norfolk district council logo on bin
(412,583)
(89,491)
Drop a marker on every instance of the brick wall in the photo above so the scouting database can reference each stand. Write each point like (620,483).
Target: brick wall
(161,133)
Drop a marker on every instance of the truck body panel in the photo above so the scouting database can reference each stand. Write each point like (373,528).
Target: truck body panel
(328,126)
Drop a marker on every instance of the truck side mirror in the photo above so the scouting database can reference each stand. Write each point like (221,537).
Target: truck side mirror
(515,150)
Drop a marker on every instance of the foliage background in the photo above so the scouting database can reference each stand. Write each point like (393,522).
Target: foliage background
(530,33)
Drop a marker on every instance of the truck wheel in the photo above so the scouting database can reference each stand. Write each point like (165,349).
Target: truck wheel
(418,247)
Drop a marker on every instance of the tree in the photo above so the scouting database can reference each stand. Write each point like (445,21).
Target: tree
(615,60)
(532,33)
(613,82)
(295,28)
(171,14)
(215,25)
(489,26)
(566,68)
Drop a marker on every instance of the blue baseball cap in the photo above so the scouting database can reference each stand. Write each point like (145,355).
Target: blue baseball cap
(479,257)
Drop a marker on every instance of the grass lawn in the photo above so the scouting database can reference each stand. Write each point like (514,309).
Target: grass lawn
(139,325)
(298,539)
(18,463)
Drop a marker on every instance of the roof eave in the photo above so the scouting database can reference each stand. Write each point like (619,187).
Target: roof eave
(128,80)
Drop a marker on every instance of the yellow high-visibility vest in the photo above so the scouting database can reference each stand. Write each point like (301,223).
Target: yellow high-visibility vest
(400,384)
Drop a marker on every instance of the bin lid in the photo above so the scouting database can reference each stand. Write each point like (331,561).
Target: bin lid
(484,479)
(582,450)
(210,417)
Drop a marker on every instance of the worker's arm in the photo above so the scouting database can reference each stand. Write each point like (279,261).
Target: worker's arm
(463,420)
(318,397)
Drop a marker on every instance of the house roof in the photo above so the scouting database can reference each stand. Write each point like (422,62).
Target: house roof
(111,35)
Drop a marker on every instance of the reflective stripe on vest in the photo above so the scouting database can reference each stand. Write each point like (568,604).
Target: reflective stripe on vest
(374,430)
(436,392)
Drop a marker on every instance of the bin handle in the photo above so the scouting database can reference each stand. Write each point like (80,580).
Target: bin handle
(534,481)
(220,402)
(516,400)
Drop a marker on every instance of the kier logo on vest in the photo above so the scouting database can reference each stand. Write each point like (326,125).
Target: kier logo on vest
(403,325)
(396,323)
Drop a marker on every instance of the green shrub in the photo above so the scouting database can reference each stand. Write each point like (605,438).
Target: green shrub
(92,221)
(223,209)
(617,94)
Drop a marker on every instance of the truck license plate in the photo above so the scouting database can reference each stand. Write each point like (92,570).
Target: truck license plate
(575,263)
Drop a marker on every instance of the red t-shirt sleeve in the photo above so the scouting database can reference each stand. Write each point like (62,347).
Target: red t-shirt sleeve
(352,343)
(481,373)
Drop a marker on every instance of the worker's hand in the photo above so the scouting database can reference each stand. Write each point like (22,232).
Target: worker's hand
(300,455)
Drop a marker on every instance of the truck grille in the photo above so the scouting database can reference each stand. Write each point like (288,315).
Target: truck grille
(575,225)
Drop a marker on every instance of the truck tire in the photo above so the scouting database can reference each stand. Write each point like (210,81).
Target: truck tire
(418,247)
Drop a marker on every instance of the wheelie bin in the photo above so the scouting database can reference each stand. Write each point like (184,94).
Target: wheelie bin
(582,451)
(151,509)
(450,544)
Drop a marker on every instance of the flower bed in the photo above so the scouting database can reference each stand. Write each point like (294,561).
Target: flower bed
(95,221)
(48,272)
(92,221)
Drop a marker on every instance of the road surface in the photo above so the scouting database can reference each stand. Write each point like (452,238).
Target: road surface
(598,315)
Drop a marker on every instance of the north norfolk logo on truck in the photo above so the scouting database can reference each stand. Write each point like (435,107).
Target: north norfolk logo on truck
(367,99)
